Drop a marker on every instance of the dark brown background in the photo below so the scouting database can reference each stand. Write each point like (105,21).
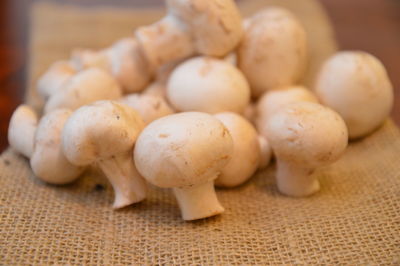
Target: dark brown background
(369,25)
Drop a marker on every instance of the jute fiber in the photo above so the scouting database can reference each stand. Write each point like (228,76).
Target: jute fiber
(354,219)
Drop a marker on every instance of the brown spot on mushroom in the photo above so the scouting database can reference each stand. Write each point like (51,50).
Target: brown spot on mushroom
(7,162)
(163,136)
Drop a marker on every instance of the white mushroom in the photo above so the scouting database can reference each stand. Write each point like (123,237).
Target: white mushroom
(128,65)
(355,84)
(212,27)
(48,161)
(185,152)
(304,136)
(124,60)
(54,78)
(246,151)
(273,51)
(265,152)
(21,131)
(272,101)
(104,134)
(150,107)
(85,87)
(206,84)
(82,59)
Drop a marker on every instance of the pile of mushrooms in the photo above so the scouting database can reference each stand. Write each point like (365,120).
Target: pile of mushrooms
(197,99)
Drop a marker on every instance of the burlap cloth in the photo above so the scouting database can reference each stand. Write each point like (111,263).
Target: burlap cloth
(354,219)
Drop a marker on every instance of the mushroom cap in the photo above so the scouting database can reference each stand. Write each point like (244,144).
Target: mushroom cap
(150,107)
(307,134)
(355,84)
(157,89)
(51,81)
(128,65)
(273,51)
(183,150)
(215,25)
(271,101)
(21,130)
(99,131)
(85,58)
(48,161)
(208,85)
(246,150)
(85,87)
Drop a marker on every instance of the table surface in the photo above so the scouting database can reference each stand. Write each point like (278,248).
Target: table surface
(369,25)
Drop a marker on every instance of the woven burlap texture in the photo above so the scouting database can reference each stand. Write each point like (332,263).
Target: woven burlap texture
(354,219)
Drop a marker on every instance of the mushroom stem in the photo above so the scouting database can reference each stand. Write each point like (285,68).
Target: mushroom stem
(294,180)
(198,202)
(129,186)
(165,41)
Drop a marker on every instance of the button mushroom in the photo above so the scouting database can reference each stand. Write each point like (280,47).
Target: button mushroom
(54,78)
(185,152)
(212,27)
(48,161)
(271,101)
(85,87)
(304,136)
(355,84)
(104,134)
(210,85)
(273,52)
(124,60)
(150,107)
(21,131)
(246,151)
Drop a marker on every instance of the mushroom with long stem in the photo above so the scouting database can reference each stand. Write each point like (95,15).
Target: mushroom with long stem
(212,27)
(304,136)
(186,152)
(104,134)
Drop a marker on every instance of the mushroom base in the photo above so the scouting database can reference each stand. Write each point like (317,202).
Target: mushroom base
(129,186)
(295,181)
(198,202)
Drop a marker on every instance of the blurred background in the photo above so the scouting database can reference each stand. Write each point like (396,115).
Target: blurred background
(369,25)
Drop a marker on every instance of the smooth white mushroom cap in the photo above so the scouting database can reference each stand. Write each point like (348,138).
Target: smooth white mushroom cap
(48,161)
(21,130)
(215,25)
(246,150)
(307,134)
(149,107)
(272,101)
(208,85)
(128,65)
(85,87)
(355,84)
(99,131)
(183,150)
(54,78)
(273,51)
